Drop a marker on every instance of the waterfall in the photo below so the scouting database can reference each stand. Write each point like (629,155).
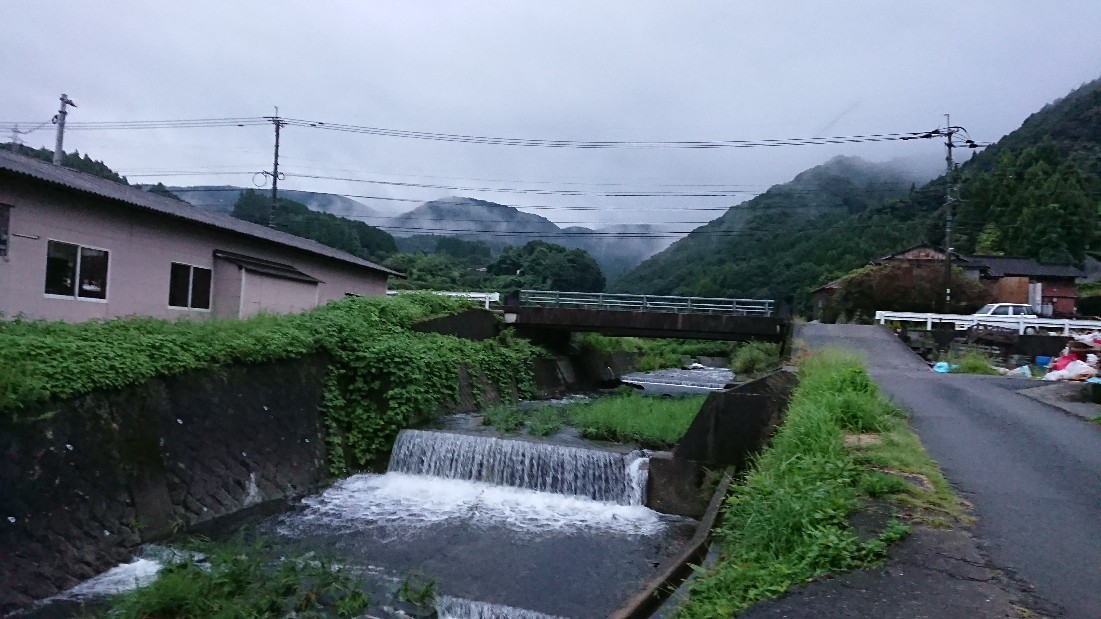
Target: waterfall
(600,475)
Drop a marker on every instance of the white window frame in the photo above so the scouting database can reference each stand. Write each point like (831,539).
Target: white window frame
(190,287)
(75,295)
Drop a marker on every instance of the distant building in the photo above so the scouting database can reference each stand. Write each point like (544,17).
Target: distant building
(1048,288)
(77,247)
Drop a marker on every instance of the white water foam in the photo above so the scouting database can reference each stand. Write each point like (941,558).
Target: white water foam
(401,503)
(592,473)
(459,608)
(118,579)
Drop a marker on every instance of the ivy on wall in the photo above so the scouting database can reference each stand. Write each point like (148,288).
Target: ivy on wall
(382,376)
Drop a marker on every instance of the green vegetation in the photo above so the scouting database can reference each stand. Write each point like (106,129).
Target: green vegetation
(73,161)
(655,354)
(805,485)
(537,265)
(455,265)
(902,288)
(898,450)
(354,237)
(382,376)
(971,362)
(417,589)
(236,580)
(795,236)
(755,357)
(651,422)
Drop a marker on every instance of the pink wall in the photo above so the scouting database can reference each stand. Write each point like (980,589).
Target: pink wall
(142,246)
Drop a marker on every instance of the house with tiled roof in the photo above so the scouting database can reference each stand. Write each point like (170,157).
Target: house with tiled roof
(1048,288)
(78,247)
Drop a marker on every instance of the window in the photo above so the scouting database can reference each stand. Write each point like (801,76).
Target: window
(5,229)
(75,271)
(189,286)
(1001,311)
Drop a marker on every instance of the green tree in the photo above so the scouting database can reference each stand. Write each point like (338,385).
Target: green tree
(546,266)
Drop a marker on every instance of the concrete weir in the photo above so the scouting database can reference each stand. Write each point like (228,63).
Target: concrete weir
(496,520)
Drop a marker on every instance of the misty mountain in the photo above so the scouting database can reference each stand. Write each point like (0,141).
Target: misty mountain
(1032,194)
(748,251)
(221,198)
(616,248)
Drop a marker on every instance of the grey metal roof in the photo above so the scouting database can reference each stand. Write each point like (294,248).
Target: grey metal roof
(133,196)
(1001,266)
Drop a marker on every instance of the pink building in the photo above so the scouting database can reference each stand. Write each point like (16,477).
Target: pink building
(77,247)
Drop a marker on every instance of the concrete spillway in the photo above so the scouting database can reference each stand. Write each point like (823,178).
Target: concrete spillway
(595,474)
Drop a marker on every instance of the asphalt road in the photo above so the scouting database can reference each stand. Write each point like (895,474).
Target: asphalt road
(1032,471)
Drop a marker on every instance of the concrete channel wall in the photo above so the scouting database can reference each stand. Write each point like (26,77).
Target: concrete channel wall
(89,478)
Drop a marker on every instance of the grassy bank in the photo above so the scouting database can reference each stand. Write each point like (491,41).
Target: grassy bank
(789,521)
(655,423)
(382,375)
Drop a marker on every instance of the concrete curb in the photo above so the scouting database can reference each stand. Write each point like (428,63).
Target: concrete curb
(651,595)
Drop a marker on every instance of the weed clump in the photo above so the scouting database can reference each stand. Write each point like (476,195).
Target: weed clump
(237,580)
(656,423)
(755,357)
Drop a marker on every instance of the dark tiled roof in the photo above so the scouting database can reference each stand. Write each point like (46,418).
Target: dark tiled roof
(267,267)
(133,196)
(1001,266)
(955,255)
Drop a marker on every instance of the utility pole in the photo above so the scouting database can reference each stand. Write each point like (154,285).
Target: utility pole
(59,120)
(949,198)
(15,139)
(278,122)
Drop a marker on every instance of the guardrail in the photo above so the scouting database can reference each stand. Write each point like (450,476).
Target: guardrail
(1022,324)
(484,297)
(646,303)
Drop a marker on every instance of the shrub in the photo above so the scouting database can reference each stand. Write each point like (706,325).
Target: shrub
(382,375)
(755,357)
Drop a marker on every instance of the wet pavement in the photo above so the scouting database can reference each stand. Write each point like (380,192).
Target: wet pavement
(1032,472)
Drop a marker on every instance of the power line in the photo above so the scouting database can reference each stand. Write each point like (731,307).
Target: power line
(250,121)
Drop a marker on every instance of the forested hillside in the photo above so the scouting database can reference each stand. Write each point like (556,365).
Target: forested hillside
(822,223)
(354,237)
(1034,194)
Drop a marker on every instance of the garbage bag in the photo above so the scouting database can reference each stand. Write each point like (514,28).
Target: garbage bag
(1021,372)
(1075,370)
(940,367)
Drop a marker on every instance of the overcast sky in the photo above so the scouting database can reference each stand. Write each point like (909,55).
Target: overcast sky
(558,70)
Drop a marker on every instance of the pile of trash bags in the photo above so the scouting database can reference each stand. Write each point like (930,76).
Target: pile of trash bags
(1078,360)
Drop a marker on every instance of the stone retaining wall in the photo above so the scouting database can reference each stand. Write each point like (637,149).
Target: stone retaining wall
(88,479)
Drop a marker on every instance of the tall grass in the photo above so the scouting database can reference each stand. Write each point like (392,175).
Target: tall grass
(652,422)
(788,522)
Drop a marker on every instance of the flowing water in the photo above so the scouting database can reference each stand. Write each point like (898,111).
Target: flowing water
(596,474)
(506,528)
(556,530)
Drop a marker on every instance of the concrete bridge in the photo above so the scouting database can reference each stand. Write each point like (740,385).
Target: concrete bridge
(700,318)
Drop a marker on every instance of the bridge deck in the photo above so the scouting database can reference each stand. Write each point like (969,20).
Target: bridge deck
(649,324)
